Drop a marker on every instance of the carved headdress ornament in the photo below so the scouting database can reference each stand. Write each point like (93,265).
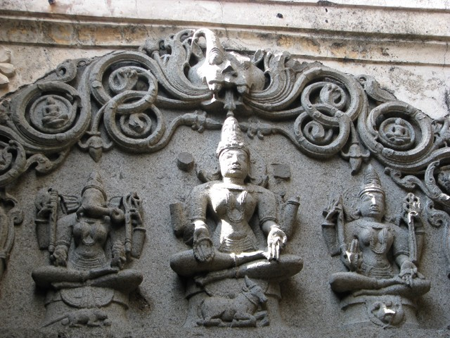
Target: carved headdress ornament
(95,182)
(232,137)
(371,182)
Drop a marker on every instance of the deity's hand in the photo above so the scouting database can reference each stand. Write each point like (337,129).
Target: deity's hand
(407,272)
(60,255)
(276,240)
(117,215)
(203,246)
(333,209)
(353,256)
(119,256)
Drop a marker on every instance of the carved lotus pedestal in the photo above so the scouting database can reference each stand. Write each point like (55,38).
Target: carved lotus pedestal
(385,311)
(85,306)
(237,302)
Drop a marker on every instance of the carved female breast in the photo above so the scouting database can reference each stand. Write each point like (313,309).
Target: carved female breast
(375,240)
(233,208)
(90,236)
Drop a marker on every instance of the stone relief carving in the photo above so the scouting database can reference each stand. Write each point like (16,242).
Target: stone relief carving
(10,216)
(90,241)
(227,245)
(136,100)
(376,287)
(7,70)
(122,99)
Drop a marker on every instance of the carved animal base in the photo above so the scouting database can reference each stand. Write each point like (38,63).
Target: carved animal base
(85,306)
(219,304)
(385,311)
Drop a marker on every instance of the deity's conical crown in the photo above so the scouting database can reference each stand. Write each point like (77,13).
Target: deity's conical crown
(371,182)
(95,182)
(232,137)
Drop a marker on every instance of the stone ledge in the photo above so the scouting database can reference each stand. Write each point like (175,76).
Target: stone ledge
(427,22)
(317,45)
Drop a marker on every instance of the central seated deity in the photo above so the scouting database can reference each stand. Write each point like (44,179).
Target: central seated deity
(235,249)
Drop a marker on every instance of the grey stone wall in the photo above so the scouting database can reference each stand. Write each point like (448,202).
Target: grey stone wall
(406,51)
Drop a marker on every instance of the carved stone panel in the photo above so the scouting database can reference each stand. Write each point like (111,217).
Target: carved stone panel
(90,240)
(381,256)
(234,155)
(228,247)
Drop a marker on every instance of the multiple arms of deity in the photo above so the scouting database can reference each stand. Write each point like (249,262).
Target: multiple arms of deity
(351,255)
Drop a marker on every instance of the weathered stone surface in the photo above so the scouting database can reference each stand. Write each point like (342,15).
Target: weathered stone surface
(404,68)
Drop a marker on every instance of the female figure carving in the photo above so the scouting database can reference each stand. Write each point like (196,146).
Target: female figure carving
(234,249)
(381,257)
(90,248)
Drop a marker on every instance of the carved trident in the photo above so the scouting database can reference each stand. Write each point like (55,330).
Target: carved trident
(411,205)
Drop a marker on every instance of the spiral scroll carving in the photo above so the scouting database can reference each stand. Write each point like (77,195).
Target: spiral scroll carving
(134,129)
(49,116)
(131,99)
(12,157)
(400,135)
(331,101)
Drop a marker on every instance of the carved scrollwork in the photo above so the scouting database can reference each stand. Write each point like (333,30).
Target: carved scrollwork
(399,135)
(172,57)
(435,217)
(49,116)
(12,157)
(66,71)
(435,183)
(318,141)
(331,101)
(120,72)
(134,130)
(122,98)
(339,93)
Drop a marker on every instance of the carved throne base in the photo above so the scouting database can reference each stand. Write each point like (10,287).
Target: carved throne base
(230,291)
(384,311)
(85,306)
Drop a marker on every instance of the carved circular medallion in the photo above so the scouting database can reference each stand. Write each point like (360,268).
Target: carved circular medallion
(52,114)
(400,135)
(397,133)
